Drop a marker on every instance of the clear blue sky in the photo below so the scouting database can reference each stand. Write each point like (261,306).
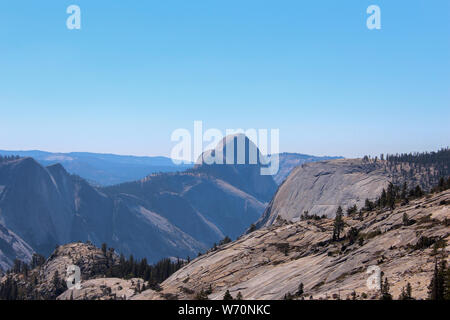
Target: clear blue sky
(137,70)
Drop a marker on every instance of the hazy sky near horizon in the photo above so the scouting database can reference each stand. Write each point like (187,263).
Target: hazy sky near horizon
(138,70)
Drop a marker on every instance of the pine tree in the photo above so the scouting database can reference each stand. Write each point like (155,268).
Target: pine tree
(441,184)
(418,192)
(383,199)
(55,279)
(227,295)
(300,290)
(239,296)
(361,215)
(391,196)
(409,291)
(447,284)
(385,287)
(406,293)
(352,210)
(368,205)
(202,295)
(352,235)
(338,224)
(225,241)
(433,290)
(436,288)
(405,219)
(441,278)
(104,248)
(404,192)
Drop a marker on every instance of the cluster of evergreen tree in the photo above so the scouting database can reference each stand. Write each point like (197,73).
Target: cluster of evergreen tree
(153,274)
(20,267)
(423,169)
(385,290)
(441,158)
(338,225)
(444,184)
(37,260)
(395,194)
(352,210)
(392,195)
(8,158)
(252,228)
(306,216)
(226,240)
(439,288)
(228,296)
(406,293)
(385,293)
(9,290)
(388,199)
(297,295)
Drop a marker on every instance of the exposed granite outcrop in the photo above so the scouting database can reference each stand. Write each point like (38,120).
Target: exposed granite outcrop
(271,262)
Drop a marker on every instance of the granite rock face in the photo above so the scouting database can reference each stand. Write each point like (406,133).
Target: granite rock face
(289,161)
(321,187)
(238,161)
(272,261)
(12,247)
(104,289)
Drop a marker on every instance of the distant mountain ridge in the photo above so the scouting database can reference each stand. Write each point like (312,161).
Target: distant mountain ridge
(164,214)
(176,214)
(111,169)
(103,169)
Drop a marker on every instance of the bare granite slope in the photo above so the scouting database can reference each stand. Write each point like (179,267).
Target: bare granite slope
(104,289)
(271,262)
(320,187)
(288,161)
(12,247)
